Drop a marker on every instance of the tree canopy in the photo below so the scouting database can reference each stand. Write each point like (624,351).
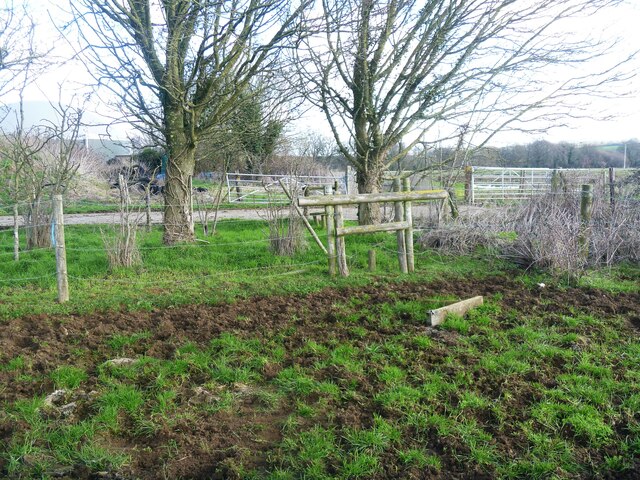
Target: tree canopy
(179,69)
(382,69)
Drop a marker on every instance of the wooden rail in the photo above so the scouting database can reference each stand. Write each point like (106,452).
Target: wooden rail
(334,200)
(382,227)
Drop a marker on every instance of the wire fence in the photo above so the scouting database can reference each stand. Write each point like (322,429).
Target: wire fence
(248,251)
(240,247)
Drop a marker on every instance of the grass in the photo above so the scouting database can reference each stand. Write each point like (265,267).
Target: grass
(236,262)
(356,389)
(508,399)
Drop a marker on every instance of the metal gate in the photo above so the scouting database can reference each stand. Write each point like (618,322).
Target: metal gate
(261,189)
(492,184)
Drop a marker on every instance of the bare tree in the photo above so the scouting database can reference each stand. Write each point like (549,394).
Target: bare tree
(18,52)
(43,159)
(382,69)
(65,152)
(178,68)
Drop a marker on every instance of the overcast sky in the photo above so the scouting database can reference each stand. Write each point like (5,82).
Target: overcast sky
(623,21)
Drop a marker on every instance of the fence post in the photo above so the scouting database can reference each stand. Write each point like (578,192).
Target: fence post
(16,234)
(399,214)
(61,252)
(612,188)
(555,181)
(341,251)
(191,214)
(372,260)
(408,236)
(455,213)
(238,190)
(468,174)
(331,234)
(305,210)
(148,202)
(586,200)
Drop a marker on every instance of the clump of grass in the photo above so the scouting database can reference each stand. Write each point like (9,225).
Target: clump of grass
(68,377)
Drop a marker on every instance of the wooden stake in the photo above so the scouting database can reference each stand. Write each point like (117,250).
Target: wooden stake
(586,200)
(612,188)
(191,218)
(399,217)
(340,245)
(408,235)
(331,237)
(148,202)
(452,203)
(304,218)
(16,234)
(61,252)
(468,185)
(372,260)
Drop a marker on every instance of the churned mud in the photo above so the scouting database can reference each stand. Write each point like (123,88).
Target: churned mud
(211,445)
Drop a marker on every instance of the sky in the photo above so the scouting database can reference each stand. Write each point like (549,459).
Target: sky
(625,124)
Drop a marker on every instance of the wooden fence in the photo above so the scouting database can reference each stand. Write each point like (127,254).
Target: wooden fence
(402,224)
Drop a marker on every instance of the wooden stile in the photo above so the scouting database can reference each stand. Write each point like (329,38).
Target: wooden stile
(403,224)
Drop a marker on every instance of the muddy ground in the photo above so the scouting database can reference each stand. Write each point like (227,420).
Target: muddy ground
(204,446)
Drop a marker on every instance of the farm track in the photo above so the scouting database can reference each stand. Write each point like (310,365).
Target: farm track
(231,214)
(156,217)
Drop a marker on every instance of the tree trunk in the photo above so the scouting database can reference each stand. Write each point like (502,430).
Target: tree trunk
(369,181)
(178,213)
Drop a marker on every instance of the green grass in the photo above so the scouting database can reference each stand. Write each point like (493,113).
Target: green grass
(236,262)
(360,389)
(414,403)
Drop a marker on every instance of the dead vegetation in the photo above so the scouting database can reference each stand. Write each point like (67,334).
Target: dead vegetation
(286,230)
(121,246)
(547,233)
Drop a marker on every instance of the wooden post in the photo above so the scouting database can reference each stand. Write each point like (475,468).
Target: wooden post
(455,213)
(400,234)
(555,181)
(408,235)
(586,201)
(61,253)
(372,260)
(341,251)
(16,234)
(331,235)
(612,188)
(468,185)
(238,189)
(305,210)
(148,202)
(347,179)
(191,218)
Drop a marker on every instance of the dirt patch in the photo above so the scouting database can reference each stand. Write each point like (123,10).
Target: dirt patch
(213,445)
